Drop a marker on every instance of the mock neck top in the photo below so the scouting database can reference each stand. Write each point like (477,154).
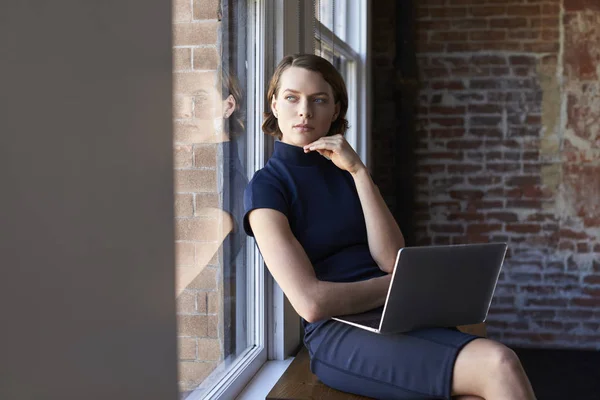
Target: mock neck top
(295,155)
(323,209)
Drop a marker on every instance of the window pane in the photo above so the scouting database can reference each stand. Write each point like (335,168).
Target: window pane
(213,273)
(332,14)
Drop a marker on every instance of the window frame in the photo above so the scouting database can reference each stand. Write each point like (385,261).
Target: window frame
(293,24)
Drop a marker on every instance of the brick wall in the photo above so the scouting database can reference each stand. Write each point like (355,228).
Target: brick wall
(196,113)
(508,149)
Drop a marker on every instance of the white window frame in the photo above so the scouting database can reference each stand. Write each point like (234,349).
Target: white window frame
(299,21)
(284,27)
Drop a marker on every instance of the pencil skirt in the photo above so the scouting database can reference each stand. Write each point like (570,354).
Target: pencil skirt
(412,365)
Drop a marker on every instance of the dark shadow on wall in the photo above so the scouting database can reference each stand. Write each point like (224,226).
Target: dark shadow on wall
(405,97)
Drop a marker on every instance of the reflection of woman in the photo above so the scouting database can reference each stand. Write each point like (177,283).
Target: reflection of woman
(227,136)
(330,242)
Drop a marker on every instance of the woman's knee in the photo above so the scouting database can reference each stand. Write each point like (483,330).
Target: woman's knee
(480,363)
(502,358)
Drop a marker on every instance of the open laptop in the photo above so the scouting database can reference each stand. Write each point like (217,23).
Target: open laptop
(436,286)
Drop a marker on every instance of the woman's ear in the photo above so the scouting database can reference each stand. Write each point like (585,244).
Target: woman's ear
(229,106)
(274,106)
(336,113)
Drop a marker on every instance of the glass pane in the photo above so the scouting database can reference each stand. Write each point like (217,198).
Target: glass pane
(332,14)
(210,142)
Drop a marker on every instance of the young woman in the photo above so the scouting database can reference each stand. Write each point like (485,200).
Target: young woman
(330,242)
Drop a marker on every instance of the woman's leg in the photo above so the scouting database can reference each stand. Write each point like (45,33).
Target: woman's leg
(491,370)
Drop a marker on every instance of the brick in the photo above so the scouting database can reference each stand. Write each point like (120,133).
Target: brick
(483,228)
(541,47)
(524,34)
(196,83)
(197,229)
(184,205)
(487,11)
(204,201)
(524,10)
(546,302)
(184,254)
(502,216)
(195,372)
(585,302)
(466,194)
(206,58)
(447,12)
(209,350)
(530,337)
(206,279)
(186,348)
(447,110)
(195,181)
(182,156)
(465,216)
(205,155)
(484,180)
(446,228)
(509,23)
(182,107)
(206,9)
(213,328)
(594,292)
(193,131)
(570,234)
(193,325)
(487,35)
(202,302)
(195,33)
(213,302)
(449,36)
(592,279)
(186,303)
(447,133)
(182,11)
(447,85)
(464,169)
(464,144)
(182,59)
(470,23)
(503,167)
(581,5)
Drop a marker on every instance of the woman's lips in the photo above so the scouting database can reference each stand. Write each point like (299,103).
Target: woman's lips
(303,128)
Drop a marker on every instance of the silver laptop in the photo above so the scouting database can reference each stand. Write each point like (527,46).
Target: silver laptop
(436,286)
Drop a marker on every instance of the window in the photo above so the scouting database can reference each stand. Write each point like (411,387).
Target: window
(232,315)
(219,287)
(340,36)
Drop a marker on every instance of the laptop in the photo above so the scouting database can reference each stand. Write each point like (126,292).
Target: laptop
(436,286)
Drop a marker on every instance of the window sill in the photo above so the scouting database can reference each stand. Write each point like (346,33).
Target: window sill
(264,380)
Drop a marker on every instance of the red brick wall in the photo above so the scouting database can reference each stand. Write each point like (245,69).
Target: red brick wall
(508,149)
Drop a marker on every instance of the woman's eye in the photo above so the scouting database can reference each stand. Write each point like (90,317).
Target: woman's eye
(320,101)
(290,98)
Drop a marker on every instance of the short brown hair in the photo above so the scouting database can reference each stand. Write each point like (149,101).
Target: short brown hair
(331,75)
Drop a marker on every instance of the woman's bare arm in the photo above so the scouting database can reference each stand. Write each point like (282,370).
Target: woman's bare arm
(312,299)
(383,233)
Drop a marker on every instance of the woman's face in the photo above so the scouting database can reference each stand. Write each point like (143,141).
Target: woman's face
(304,106)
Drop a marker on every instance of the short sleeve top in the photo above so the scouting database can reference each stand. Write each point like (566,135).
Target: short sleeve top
(322,206)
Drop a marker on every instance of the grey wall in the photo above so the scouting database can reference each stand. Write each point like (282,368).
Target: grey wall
(87,305)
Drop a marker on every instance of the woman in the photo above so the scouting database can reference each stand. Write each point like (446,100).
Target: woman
(330,242)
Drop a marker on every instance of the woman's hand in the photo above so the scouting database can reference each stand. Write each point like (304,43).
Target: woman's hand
(337,149)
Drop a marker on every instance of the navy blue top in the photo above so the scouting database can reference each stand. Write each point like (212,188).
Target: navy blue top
(323,209)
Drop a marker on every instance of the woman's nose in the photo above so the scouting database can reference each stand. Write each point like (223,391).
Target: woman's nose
(305,110)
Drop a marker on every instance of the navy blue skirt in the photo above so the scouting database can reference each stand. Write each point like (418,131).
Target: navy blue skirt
(412,365)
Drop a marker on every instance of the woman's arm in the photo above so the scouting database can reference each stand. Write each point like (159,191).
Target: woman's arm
(287,261)
(384,235)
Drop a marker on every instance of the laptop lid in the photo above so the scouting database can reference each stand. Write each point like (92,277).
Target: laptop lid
(442,286)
